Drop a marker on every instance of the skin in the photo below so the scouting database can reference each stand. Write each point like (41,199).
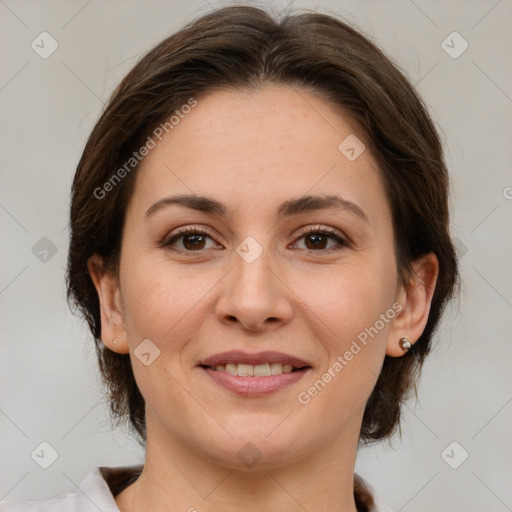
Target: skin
(253,150)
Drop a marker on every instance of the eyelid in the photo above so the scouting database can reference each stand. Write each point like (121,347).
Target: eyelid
(319,227)
(183,230)
(340,237)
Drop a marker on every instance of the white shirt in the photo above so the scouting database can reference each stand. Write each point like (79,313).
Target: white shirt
(97,490)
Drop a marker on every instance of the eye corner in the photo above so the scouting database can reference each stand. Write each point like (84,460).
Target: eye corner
(342,240)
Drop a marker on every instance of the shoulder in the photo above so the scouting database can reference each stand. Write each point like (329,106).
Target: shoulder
(95,492)
(62,503)
(366,496)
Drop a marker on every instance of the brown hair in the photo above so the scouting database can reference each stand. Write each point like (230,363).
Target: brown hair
(239,47)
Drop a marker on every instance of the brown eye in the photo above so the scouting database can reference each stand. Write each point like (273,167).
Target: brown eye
(195,240)
(191,240)
(316,240)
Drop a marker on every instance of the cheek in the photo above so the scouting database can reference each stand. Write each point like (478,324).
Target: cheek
(153,304)
(159,297)
(355,309)
(158,303)
(352,297)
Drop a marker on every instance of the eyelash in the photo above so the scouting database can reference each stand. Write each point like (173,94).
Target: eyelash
(317,230)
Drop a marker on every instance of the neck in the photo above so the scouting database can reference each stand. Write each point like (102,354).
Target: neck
(177,478)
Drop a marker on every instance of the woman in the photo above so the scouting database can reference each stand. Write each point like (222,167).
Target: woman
(260,245)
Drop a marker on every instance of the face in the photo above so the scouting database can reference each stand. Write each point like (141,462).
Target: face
(260,272)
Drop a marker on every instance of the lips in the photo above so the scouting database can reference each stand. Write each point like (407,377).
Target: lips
(261,358)
(254,375)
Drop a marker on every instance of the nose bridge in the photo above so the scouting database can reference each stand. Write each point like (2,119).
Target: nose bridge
(253,294)
(253,270)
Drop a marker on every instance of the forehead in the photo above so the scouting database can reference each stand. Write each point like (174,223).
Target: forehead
(256,148)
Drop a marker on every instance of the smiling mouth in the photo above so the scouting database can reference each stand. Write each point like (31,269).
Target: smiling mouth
(257,370)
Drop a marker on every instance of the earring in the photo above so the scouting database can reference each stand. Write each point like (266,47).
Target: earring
(114,341)
(405,344)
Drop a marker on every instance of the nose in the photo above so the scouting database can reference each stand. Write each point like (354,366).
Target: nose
(255,295)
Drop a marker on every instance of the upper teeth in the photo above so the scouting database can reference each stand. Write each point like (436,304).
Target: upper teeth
(254,370)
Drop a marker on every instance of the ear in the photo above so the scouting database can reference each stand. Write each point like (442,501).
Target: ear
(111,312)
(416,298)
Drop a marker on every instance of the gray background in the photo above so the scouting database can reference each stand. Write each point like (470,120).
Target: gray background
(49,386)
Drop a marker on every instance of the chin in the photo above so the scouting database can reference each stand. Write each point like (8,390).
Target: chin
(253,449)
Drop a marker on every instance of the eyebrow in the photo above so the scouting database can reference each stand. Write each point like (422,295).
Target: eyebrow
(287,209)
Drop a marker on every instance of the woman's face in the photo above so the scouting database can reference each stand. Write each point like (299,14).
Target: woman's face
(252,280)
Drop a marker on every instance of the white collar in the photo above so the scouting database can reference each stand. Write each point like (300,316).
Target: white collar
(97,490)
